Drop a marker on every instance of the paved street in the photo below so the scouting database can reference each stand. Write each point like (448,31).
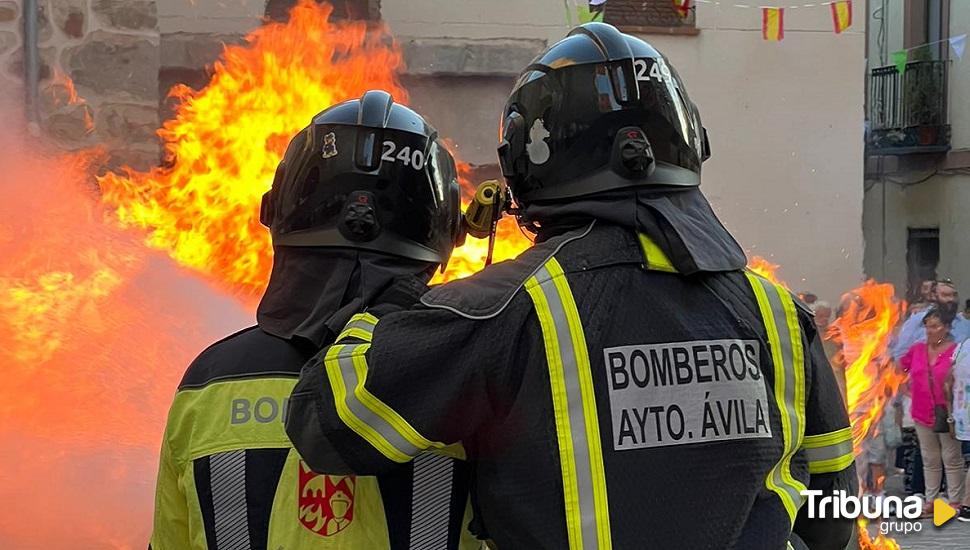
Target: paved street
(952,536)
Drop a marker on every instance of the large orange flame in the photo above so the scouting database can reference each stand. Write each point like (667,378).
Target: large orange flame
(95,331)
(40,298)
(98,328)
(225,140)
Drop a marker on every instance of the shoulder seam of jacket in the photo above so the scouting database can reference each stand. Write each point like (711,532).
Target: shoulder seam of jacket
(228,337)
(794,297)
(239,376)
(512,295)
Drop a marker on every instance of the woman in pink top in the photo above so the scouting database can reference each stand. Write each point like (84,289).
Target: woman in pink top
(926,361)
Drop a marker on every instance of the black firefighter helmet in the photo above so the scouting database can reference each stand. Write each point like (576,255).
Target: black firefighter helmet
(367,173)
(599,110)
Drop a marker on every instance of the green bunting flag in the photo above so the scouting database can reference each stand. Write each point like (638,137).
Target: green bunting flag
(899,60)
(584,11)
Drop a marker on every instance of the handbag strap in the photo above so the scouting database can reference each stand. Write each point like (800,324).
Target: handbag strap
(929,374)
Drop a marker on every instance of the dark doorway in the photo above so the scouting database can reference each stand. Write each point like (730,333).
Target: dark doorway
(922,258)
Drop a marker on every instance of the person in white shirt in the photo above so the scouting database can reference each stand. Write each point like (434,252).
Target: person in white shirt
(958,387)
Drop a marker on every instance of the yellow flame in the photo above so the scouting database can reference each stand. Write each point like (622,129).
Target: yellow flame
(881,542)
(766,269)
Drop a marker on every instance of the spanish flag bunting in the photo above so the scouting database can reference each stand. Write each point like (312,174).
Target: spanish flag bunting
(682,7)
(773,24)
(841,15)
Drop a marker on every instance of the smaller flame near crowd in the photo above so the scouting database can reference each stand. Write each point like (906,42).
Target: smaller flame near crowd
(863,330)
(881,542)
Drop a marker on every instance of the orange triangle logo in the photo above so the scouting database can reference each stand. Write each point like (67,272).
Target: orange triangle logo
(942,512)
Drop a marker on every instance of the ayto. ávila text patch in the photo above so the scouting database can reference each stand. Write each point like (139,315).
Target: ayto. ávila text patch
(686,392)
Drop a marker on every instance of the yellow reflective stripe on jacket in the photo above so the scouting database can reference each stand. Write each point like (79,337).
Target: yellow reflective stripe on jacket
(785,343)
(655,257)
(364,413)
(574,404)
(360,326)
(829,452)
(826,439)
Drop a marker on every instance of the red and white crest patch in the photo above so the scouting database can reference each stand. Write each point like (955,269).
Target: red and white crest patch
(326,503)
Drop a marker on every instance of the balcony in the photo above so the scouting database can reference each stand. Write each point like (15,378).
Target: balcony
(907,113)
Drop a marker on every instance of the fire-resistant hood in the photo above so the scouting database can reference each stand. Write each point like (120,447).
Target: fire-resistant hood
(314,291)
(679,220)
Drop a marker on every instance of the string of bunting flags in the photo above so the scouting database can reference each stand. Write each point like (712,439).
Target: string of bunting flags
(772,21)
(901,58)
(773,17)
(773,24)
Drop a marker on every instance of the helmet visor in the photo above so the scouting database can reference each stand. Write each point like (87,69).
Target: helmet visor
(414,191)
(601,99)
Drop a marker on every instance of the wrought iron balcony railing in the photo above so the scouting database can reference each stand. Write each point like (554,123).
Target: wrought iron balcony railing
(907,112)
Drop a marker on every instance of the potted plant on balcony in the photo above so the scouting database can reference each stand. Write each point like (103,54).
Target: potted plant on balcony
(923,100)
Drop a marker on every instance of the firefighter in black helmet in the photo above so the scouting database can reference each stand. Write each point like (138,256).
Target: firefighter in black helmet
(625,383)
(347,217)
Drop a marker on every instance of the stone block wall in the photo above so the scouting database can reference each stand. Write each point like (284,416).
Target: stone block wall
(10,41)
(109,50)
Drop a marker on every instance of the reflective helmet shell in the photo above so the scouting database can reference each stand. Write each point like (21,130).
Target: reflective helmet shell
(367,173)
(599,110)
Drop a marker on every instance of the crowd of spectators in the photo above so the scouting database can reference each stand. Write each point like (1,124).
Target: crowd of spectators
(925,435)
